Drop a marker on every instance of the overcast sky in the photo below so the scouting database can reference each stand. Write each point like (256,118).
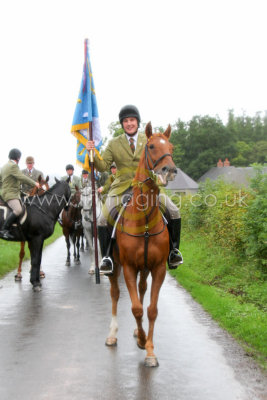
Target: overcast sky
(172,59)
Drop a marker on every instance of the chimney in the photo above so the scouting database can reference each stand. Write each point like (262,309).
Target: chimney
(219,164)
(226,163)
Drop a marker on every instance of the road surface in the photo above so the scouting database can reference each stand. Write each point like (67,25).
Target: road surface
(52,343)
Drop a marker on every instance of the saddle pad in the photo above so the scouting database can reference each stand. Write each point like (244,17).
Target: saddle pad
(7,210)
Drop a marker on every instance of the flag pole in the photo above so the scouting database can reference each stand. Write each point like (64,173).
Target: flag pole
(91,158)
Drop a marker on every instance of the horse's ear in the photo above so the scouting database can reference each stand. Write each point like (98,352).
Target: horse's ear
(68,180)
(39,178)
(47,179)
(76,188)
(56,180)
(148,130)
(167,133)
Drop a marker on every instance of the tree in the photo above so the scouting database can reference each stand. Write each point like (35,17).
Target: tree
(203,140)
(244,152)
(115,129)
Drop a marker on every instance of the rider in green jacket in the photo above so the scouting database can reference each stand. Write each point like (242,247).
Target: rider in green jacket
(12,178)
(125,150)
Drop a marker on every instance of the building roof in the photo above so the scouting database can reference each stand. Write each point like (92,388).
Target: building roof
(240,175)
(182,182)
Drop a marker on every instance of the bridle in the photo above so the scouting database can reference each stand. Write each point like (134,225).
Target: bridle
(149,158)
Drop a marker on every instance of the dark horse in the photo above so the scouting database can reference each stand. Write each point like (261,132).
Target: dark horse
(72,226)
(42,215)
(142,240)
(34,192)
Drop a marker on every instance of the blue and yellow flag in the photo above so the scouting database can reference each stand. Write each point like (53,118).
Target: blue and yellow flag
(86,111)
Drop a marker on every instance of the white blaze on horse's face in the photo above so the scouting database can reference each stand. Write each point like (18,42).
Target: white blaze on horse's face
(166,169)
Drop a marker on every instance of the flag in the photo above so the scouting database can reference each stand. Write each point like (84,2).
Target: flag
(85,112)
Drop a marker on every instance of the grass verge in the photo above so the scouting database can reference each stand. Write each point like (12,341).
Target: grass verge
(9,251)
(233,291)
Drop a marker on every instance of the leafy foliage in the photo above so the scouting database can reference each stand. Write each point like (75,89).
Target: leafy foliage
(234,218)
(202,141)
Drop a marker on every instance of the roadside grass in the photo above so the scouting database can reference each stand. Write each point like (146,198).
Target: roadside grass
(9,251)
(233,291)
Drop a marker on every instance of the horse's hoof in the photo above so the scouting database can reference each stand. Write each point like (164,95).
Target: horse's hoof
(151,362)
(91,271)
(18,278)
(111,341)
(37,288)
(77,262)
(67,263)
(42,274)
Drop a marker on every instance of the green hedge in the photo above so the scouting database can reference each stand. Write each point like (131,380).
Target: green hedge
(236,218)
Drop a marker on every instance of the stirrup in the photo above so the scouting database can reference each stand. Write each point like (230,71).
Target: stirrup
(175,259)
(5,234)
(106,265)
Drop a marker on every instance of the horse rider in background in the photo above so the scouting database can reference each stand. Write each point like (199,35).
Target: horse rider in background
(125,150)
(31,172)
(12,178)
(74,180)
(85,178)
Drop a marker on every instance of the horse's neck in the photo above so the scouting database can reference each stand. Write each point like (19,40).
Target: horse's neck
(56,201)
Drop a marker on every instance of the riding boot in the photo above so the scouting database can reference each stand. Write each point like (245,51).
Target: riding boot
(4,233)
(106,244)
(175,256)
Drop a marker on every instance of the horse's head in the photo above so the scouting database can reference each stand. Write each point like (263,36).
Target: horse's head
(158,155)
(43,186)
(75,200)
(86,202)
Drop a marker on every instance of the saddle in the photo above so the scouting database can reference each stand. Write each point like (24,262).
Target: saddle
(117,211)
(5,210)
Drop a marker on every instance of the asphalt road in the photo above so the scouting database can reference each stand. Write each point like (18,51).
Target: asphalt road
(52,343)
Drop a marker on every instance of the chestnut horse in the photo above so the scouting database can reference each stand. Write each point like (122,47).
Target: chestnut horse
(72,226)
(34,192)
(142,240)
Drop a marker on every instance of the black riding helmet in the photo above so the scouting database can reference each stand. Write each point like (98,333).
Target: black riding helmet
(14,154)
(69,166)
(129,111)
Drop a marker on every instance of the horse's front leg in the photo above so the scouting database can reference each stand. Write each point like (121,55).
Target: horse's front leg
(82,244)
(88,238)
(67,239)
(130,276)
(18,276)
(36,248)
(114,294)
(142,288)
(77,259)
(158,275)
(74,246)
